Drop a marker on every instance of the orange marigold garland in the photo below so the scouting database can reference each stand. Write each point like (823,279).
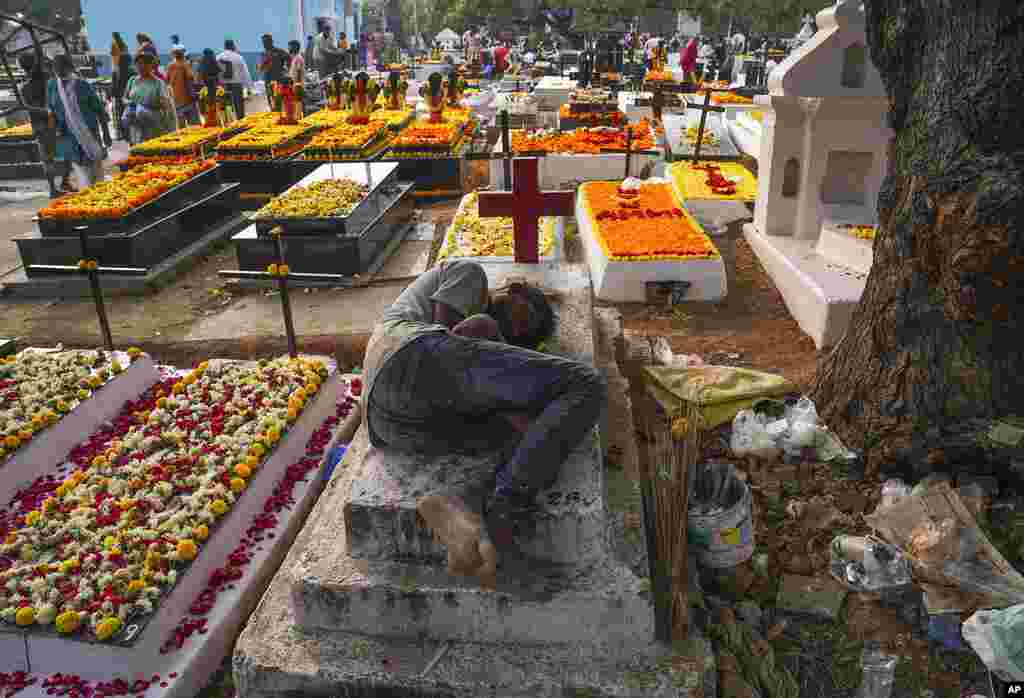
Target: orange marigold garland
(644,224)
(583,141)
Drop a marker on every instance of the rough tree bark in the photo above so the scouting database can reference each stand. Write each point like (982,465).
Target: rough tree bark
(937,336)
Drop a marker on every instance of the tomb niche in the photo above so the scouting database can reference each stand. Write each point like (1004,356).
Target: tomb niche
(791,178)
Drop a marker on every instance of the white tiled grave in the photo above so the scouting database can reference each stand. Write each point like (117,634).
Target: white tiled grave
(625,282)
(746,133)
(556,171)
(822,159)
(202,654)
(552,91)
(51,445)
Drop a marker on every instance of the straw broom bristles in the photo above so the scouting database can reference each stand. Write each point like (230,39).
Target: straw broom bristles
(673,449)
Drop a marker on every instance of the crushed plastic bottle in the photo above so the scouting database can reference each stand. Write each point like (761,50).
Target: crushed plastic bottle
(866,564)
(893,491)
(879,673)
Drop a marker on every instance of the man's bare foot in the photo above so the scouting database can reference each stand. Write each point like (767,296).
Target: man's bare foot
(470,550)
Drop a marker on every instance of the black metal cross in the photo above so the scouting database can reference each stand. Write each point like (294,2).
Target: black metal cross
(704,109)
(629,152)
(280,272)
(91,268)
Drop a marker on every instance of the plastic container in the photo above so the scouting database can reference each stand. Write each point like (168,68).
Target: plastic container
(720,525)
(879,674)
(866,564)
(332,460)
(893,491)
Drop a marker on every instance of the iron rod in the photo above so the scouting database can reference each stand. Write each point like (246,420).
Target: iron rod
(506,147)
(286,305)
(231,274)
(65,268)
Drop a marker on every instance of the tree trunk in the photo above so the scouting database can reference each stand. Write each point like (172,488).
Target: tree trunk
(936,339)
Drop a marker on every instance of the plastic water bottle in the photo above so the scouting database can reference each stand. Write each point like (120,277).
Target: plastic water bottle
(879,674)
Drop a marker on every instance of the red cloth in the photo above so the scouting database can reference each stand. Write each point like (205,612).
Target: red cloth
(688,57)
(500,54)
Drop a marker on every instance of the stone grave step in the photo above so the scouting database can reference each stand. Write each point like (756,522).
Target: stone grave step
(274,656)
(604,611)
(382,522)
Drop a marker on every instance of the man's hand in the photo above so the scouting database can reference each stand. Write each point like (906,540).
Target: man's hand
(446,315)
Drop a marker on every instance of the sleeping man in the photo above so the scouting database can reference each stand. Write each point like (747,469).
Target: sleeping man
(443,374)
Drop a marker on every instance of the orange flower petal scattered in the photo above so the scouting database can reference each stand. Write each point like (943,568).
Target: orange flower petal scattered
(583,141)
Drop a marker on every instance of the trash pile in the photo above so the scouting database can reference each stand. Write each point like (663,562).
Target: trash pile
(795,434)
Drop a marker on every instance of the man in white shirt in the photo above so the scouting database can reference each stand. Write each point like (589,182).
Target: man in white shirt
(234,73)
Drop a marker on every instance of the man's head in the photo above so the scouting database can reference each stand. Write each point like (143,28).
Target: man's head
(294,47)
(178,55)
(268,41)
(524,315)
(175,39)
(146,62)
(229,45)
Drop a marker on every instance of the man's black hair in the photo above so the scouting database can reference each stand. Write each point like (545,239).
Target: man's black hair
(229,45)
(542,316)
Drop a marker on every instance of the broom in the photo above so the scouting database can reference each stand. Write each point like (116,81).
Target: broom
(673,448)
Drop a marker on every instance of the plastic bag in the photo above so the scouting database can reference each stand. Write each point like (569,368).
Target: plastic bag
(750,438)
(998,638)
(893,491)
(867,564)
(803,411)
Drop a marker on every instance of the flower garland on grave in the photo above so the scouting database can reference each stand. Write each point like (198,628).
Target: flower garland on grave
(472,236)
(101,548)
(125,191)
(583,141)
(730,98)
(222,580)
(637,221)
(329,198)
(264,143)
(37,390)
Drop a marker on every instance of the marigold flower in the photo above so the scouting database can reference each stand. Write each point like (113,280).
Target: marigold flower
(107,628)
(32,517)
(68,622)
(218,507)
(25,616)
(187,549)
(237,484)
(201,532)
(243,470)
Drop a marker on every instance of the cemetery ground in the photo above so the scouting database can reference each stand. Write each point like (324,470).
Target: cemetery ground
(197,314)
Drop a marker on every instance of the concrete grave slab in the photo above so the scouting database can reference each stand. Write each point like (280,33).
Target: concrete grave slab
(383,524)
(820,295)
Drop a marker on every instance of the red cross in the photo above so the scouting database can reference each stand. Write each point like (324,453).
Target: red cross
(525,204)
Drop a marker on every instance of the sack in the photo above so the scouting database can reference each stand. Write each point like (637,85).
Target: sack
(227,70)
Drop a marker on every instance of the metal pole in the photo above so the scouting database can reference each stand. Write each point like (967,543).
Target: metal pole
(97,293)
(629,148)
(506,145)
(700,129)
(286,306)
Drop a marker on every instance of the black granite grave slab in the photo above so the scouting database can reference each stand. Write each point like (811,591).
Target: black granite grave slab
(429,174)
(172,200)
(18,152)
(265,177)
(319,253)
(352,224)
(145,247)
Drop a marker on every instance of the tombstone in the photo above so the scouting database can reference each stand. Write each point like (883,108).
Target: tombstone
(823,157)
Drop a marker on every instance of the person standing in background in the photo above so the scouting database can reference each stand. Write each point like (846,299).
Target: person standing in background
(297,67)
(182,81)
(234,73)
(208,74)
(343,50)
(33,96)
(149,108)
(688,61)
(364,47)
(275,67)
(76,112)
(326,56)
(146,45)
(308,53)
(122,72)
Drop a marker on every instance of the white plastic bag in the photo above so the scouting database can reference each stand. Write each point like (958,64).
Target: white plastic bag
(893,491)
(998,638)
(750,437)
(803,411)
